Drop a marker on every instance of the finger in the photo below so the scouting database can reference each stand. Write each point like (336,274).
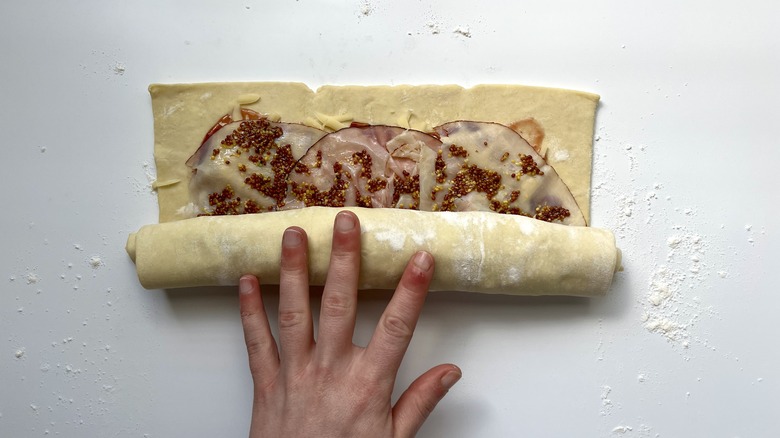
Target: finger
(295,324)
(260,343)
(422,396)
(396,326)
(339,298)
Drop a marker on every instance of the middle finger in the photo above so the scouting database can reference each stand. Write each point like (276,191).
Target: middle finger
(339,298)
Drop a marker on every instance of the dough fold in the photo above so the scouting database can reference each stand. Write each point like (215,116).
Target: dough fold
(474,251)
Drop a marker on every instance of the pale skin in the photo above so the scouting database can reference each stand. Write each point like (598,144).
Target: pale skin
(331,387)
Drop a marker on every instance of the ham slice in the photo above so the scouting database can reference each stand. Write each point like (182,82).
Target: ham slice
(242,167)
(365,166)
(256,165)
(491,167)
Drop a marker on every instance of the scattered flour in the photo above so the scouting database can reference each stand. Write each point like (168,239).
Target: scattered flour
(677,268)
(119,68)
(606,402)
(366,8)
(149,172)
(561,155)
(433,27)
(669,310)
(390,237)
(464,31)
(31,278)
(95,262)
(150,185)
(172,109)
(622,429)
(512,275)
(19,353)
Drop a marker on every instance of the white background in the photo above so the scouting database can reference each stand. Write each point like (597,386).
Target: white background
(686,174)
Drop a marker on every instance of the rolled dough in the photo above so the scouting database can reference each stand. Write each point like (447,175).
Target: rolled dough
(474,251)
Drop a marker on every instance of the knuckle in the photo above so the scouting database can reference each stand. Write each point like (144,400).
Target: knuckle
(291,318)
(259,353)
(255,348)
(326,375)
(344,261)
(424,407)
(247,316)
(336,305)
(292,267)
(397,328)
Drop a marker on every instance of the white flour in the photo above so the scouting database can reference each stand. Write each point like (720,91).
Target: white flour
(606,402)
(390,237)
(366,8)
(677,268)
(561,155)
(32,278)
(464,31)
(95,262)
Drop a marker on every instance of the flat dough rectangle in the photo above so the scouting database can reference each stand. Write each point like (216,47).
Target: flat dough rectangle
(183,113)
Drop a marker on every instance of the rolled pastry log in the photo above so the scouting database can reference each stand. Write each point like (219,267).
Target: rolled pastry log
(474,251)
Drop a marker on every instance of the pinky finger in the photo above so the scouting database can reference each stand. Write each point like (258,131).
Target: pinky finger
(260,344)
(418,401)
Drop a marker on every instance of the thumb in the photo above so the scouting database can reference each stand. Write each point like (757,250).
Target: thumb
(422,396)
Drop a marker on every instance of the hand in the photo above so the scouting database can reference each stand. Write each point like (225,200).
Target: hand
(331,387)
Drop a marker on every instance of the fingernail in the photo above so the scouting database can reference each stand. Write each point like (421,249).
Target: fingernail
(291,238)
(423,260)
(244,286)
(344,222)
(450,379)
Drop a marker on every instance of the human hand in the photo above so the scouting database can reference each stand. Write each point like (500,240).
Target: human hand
(331,387)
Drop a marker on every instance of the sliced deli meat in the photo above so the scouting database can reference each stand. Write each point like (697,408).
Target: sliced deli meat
(242,167)
(486,166)
(256,165)
(364,166)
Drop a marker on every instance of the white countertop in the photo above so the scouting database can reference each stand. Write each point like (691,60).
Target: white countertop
(685,172)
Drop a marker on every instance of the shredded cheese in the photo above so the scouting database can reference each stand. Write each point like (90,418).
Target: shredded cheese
(165,183)
(246,99)
(404,118)
(309,121)
(330,122)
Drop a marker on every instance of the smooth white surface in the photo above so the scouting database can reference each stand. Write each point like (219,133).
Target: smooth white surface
(687,147)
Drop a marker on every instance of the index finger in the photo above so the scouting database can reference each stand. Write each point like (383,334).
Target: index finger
(396,326)
(339,297)
(296,337)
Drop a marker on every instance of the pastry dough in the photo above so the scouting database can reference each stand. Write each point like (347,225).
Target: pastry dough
(474,251)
